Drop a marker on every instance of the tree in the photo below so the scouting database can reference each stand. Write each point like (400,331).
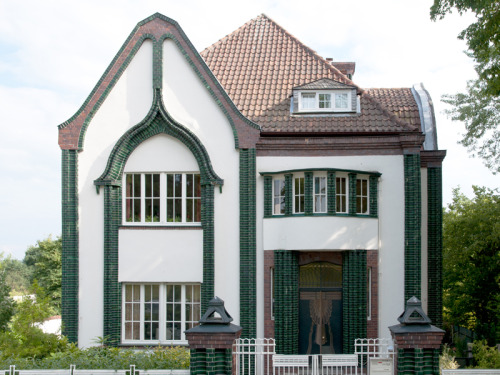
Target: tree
(45,258)
(479,106)
(471,262)
(17,275)
(6,303)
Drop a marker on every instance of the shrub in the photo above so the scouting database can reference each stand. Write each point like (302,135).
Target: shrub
(447,359)
(485,357)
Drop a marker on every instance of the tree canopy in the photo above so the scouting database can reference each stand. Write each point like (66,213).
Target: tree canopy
(479,106)
(471,262)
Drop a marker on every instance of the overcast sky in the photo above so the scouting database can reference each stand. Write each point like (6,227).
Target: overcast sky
(53,52)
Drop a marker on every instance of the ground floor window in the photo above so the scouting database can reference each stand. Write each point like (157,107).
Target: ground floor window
(159,312)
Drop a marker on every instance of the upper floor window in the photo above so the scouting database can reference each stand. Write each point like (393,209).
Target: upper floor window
(278,196)
(298,192)
(341,194)
(320,194)
(162,198)
(362,196)
(325,101)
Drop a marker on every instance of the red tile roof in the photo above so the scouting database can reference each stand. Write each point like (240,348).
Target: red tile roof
(260,63)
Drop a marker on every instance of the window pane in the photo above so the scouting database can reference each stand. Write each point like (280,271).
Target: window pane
(325,101)
(137,185)
(178,210)
(341,101)
(177,293)
(189,293)
(178,185)
(308,100)
(189,185)
(170,185)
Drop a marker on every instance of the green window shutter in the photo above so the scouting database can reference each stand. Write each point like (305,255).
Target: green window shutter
(373,196)
(352,194)
(288,194)
(268,196)
(308,193)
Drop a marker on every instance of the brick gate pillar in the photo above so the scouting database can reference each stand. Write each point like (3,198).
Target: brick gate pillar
(416,341)
(211,342)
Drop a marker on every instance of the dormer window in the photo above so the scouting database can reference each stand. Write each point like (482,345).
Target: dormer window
(324,96)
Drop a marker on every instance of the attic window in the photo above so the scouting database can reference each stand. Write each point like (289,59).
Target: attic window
(325,101)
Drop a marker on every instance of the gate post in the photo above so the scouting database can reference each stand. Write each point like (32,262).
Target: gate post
(211,342)
(417,342)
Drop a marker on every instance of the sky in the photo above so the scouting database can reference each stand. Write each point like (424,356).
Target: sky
(53,52)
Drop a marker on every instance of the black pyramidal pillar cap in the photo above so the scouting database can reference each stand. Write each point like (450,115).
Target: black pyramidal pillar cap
(414,314)
(216,313)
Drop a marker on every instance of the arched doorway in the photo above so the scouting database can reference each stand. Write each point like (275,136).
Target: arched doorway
(320,308)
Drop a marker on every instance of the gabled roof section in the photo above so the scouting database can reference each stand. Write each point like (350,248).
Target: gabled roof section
(324,84)
(157,28)
(261,63)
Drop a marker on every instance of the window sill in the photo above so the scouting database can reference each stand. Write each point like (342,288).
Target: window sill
(142,226)
(365,216)
(149,343)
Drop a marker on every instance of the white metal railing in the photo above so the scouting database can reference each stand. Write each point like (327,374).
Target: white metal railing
(302,364)
(254,356)
(374,348)
(73,371)
(339,364)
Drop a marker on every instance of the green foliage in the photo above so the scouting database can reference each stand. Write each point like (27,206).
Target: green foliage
(479,106)
(447,359)
(100,357)
(6,303)
(45,259)
(485,357)
(471,262)
(25,339)
(17,275)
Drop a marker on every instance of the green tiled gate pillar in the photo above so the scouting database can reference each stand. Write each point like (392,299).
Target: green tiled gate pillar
(286,301)
(354,298)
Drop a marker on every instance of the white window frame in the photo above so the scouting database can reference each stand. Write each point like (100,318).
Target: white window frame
(323,195)
(297,194)
(162,314)
(281,181)
(163,200)
(362,196)
(342,194)
(334,94)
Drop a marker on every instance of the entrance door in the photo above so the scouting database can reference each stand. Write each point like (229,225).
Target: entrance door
(320,308)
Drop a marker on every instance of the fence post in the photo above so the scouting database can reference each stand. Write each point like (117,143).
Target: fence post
(417,341)
(211,342)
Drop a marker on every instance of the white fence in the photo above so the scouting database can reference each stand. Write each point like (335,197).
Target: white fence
(373,348)
(73,371)
(254,356)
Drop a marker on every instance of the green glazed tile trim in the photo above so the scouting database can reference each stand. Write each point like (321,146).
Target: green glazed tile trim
(354,298)
(352,193)
(308,193)
(286,301)
(413,219)
(157,122)
(331,193)
(248,243)
(288,194)
(435,245)
(112,288)
(373,196)
(70,264)
(268,196)
(418,361)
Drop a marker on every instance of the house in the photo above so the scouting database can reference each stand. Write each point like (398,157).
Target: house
(256,171)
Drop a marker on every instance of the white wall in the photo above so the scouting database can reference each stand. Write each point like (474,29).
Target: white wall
(390,225)
(320,233)
(126,105)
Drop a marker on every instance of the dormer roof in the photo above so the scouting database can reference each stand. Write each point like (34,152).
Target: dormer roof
(324,84)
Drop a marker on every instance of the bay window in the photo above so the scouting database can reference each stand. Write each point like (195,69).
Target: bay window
(361,196)
(320,194)
(278,196)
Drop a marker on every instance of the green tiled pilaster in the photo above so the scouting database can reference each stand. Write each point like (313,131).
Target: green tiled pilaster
(331,193)
(354,298)
(373,196)
(210,361)
(112,288)
(418,361)
(207,222)
(248,243)
(288,194)
(286,301)
(435,245)
(308,193)
(268,196)
(413,219)
(70,244)
(352,193)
